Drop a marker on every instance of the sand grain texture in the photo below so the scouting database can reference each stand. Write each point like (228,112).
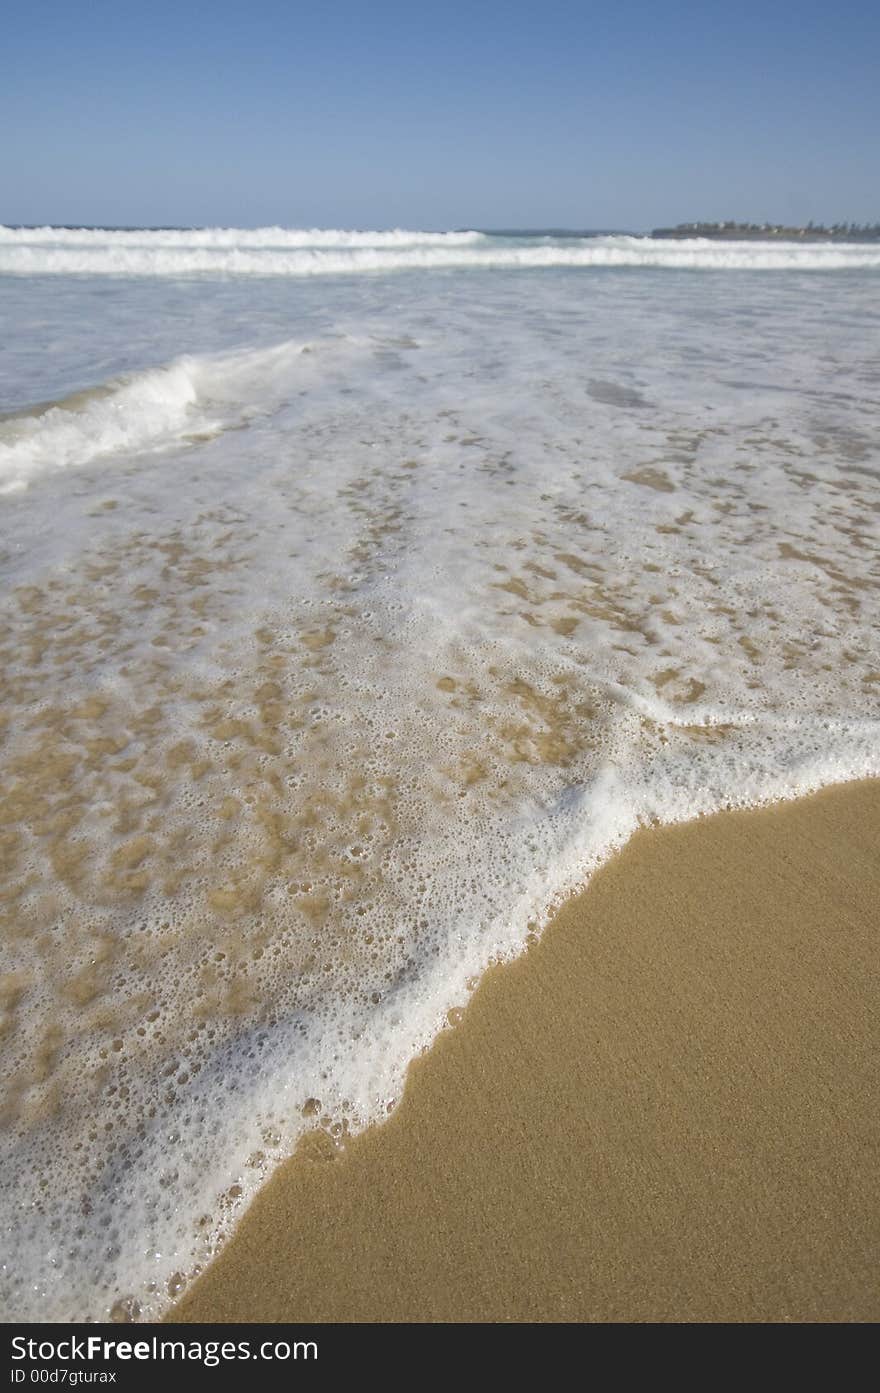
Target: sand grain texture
(666,1110)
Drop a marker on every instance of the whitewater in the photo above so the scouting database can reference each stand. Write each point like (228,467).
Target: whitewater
(282,252)
(362,593)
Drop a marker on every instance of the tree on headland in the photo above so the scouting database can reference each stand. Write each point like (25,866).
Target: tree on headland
(837,232)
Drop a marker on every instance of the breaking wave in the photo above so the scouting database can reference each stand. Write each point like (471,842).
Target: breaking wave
(293,253)
(262,237)
(184,401)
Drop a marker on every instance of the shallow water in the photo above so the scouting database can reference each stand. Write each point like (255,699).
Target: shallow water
(349,621)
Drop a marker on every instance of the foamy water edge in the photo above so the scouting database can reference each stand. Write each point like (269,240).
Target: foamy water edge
(557,585)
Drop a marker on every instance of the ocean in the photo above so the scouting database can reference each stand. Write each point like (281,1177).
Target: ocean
(362,593)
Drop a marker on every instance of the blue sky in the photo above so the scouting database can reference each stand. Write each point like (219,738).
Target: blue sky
(489,114)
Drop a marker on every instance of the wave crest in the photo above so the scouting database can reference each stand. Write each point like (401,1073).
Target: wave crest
(237,237)
(228,252)
(188,399)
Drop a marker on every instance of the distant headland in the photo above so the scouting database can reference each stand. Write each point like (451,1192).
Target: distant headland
(765,232)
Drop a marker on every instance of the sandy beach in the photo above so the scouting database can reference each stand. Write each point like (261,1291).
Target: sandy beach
(665,1111)
(439,672)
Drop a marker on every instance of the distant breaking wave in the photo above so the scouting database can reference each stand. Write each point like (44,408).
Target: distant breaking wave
(246,237)
(296,253)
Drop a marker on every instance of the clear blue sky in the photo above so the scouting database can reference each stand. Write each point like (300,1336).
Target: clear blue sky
(491,113)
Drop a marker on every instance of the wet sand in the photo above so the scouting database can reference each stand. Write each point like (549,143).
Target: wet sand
(666,1110)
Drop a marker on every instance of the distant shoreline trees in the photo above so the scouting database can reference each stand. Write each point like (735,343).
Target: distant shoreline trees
(744,231)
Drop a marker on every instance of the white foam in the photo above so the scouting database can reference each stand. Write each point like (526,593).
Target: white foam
(311,722)
(208,237)
(229,253)
(181,402)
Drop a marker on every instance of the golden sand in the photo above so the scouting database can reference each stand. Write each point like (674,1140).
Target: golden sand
(666,1110)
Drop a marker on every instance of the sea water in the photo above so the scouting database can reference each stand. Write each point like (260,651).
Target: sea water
(362,593)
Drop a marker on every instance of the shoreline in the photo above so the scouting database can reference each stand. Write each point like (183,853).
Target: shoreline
(662,1111)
